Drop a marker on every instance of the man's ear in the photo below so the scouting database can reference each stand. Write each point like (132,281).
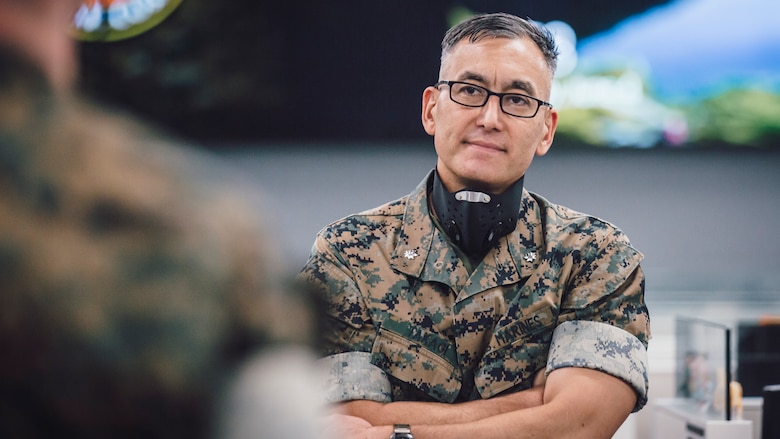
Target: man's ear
(550,123)
(429,99)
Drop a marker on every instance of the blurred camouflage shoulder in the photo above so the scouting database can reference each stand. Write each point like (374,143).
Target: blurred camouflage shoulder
(121,252)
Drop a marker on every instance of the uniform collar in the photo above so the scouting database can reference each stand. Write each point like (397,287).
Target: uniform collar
(423,251)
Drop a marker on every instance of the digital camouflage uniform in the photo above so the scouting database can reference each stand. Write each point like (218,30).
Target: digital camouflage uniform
(130,284)
(410,322)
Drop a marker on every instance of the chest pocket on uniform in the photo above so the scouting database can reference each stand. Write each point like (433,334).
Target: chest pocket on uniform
(418,356)
(517,351)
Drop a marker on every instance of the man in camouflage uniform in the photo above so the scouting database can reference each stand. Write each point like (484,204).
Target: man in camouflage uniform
(131,287)
(472,307)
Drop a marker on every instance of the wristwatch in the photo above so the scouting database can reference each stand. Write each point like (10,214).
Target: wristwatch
(402,431)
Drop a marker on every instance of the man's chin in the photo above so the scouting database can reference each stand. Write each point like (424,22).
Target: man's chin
(482,183)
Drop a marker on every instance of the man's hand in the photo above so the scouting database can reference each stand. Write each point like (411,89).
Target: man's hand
(352,427)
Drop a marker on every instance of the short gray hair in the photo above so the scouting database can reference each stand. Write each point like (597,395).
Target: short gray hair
(501,25)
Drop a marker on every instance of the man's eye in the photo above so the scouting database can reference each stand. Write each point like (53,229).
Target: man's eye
(468,90)
(517,100)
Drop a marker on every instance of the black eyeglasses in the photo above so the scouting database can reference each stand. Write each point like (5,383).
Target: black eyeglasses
(513,104)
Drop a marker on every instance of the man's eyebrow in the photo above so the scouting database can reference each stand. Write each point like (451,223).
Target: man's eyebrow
(465,76)
(524,86)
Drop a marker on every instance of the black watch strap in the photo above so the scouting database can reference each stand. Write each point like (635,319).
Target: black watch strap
(402,431)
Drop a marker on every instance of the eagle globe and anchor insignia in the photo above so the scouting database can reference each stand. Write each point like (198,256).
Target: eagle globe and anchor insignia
(113,20)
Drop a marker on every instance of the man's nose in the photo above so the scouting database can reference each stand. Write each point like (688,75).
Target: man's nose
(491,113)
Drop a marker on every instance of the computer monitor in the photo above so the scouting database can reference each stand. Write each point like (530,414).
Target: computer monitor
(703,366)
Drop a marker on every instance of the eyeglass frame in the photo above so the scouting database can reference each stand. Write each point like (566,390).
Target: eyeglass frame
(490,93)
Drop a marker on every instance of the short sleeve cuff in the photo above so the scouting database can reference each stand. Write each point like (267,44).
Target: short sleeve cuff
(350,376)
(602,347)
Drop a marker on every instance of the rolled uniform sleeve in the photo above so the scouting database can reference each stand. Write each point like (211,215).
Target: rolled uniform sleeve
(601,347)
(604,323)
(351,375)
(598,270)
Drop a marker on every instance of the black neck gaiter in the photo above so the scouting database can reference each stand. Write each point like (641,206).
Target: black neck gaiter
(475,220)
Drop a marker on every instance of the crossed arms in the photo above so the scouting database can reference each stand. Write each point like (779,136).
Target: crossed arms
(571,402)
(596,375)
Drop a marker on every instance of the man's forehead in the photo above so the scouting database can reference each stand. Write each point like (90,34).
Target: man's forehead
(505,63)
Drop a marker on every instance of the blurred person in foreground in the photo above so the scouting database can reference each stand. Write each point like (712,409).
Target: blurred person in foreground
(473,307)
(137,298)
